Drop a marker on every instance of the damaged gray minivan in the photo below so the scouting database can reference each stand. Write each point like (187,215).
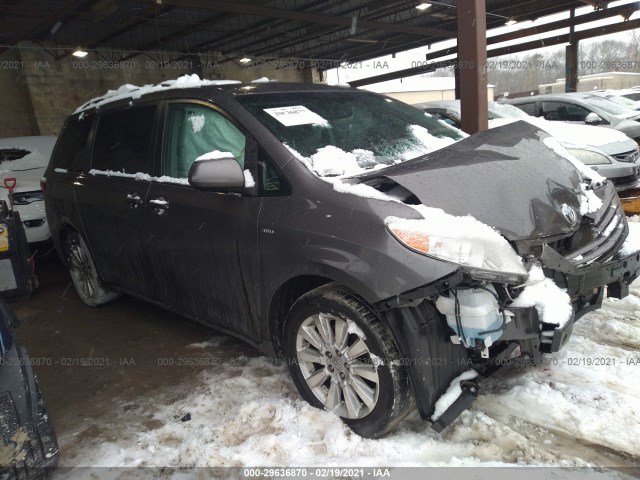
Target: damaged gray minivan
(378,252)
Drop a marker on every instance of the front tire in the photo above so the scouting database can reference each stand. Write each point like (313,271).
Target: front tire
(90,287)
(343,358)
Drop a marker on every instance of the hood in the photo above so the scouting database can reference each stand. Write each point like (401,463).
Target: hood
(505,177)
(617,148)
(26,180)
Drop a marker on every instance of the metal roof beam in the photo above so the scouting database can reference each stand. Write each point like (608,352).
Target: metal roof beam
(497,52)
(65,9)
(525,32)
(307,17)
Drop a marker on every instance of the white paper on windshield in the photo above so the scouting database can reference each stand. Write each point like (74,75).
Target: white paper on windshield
(295,115)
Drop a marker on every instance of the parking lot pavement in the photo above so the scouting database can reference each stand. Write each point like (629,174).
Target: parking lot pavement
(92,363)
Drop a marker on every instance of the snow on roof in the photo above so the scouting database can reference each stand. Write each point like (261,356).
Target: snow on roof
(134,92)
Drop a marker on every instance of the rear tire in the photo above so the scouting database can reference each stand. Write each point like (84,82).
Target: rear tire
(90,287)
(343,358)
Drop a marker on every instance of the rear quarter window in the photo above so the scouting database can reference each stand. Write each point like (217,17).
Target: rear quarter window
(72,148)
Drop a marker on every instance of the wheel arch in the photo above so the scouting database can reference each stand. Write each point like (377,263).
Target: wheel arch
(281,302)
(61,240)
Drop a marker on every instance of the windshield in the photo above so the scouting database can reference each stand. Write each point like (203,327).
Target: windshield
(624,101)
(344,133)
(608,106)
(503,110)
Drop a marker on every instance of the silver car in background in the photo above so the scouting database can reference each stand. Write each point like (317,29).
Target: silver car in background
(611,153)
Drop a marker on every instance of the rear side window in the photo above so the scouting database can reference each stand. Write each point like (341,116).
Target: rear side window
(123,140)
(72,149)
(564,111)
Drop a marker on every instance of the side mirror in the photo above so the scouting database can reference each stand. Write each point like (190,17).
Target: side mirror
(592,119)
(216,174)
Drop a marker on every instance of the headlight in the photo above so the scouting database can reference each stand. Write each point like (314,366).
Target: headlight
(483,252)
(589,157)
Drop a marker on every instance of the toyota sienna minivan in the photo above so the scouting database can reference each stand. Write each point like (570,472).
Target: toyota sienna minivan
(378,252)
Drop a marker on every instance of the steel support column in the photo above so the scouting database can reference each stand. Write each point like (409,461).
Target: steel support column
(571,58)
(472,63)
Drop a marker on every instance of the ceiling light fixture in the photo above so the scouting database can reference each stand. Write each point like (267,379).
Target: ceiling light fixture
(511,21)
(245,60)
(423,6)
(80,53)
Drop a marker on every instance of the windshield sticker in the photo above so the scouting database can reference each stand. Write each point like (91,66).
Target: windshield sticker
(295,115)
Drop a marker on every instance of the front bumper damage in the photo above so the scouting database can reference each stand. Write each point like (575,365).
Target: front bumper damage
(434,361)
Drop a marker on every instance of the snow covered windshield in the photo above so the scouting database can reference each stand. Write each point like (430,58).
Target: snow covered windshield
(503,110)
(344,133)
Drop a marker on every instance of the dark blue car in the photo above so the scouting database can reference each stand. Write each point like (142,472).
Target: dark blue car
(29,448)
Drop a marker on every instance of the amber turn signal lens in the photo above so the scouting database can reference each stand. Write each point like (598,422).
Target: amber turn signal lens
(416,240)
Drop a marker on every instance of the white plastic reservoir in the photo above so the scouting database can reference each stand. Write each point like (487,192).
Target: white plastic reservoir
(479,312)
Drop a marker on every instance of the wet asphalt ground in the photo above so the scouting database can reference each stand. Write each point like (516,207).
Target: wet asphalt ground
(92,363)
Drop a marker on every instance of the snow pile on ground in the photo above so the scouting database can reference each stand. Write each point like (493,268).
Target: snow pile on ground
(552,303)
(580,408)
(135,92)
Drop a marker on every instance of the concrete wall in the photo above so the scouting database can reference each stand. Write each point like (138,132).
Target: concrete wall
(16,113)
(37,98)
(429,95)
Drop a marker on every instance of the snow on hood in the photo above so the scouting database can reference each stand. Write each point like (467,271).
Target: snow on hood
(135,92)
(29,169)
(579,134)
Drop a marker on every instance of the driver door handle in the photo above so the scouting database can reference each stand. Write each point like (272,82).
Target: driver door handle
(134,200)
(160,205)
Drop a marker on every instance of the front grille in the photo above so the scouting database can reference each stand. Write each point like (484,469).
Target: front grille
(628,157)
(598,240)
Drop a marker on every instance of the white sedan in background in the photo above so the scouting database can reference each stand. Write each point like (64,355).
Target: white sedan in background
(25,159)
(610,152)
